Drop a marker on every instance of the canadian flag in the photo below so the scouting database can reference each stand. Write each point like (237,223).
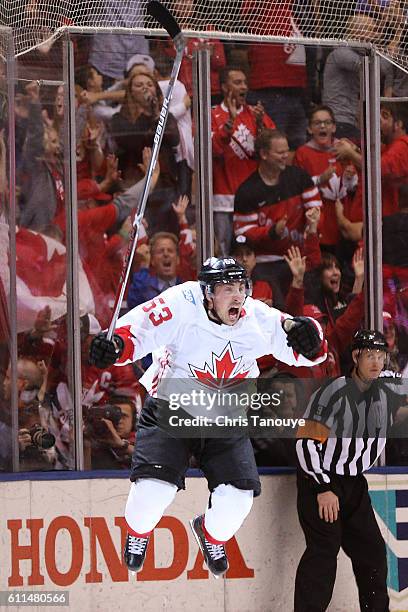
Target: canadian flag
(41,277)
(41,263)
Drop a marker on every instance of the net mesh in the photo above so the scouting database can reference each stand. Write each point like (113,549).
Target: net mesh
(381,22)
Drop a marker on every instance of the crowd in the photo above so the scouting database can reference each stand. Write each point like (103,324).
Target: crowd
(287,200)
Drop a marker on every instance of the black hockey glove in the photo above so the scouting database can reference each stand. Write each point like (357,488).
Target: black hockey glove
(303,336)
(103,352)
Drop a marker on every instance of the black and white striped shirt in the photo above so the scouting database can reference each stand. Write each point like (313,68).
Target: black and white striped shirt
(346,429)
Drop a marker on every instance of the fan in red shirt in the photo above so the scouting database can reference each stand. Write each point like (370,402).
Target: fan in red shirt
(318,158)
(278,71)
(394,155)
(235,127)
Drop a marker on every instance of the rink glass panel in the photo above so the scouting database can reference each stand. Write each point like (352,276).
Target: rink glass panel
(8,410)
(110,152)
(45,409)
(395,265)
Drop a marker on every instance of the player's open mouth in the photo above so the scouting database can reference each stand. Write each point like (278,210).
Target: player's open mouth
(233,313)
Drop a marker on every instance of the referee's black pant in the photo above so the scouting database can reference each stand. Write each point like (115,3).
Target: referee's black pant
(356,531)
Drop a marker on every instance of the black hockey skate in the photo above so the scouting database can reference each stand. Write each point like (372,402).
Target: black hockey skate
(135,552)
(214,554)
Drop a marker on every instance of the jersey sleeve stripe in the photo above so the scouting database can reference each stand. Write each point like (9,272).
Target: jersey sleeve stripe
(310,193)
(244,229)
(238,218)
(312,204)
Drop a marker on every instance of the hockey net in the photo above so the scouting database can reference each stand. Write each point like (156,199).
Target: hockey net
(34,22)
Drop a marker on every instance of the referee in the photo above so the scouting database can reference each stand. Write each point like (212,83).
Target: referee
(347,421)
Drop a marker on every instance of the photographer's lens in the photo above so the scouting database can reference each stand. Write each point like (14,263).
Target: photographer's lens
(42,438)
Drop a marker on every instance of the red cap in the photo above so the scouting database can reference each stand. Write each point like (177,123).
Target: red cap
(310,310)
(88,189)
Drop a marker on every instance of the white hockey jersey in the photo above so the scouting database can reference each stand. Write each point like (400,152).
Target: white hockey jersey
(186,344)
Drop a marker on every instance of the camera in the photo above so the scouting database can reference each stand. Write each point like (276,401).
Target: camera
(93,417)
(41,438)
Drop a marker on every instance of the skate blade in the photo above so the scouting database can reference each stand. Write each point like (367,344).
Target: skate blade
(216,576)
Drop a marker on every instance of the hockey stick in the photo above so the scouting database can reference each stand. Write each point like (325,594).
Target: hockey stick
(166,19)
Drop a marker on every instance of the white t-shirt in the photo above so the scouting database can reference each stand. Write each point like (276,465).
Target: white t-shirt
(185,150)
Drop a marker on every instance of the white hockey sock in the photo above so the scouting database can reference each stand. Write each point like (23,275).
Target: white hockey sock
(148,499)
(229,508)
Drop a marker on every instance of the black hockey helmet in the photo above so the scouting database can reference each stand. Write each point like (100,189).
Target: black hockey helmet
(222,270)
(369,338)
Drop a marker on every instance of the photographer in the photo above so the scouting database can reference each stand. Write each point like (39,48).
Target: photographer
(36,443)
(110,431)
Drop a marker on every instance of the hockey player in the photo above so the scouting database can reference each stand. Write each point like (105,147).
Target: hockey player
(205,331)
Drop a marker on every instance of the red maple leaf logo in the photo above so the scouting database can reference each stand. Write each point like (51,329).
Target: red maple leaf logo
(223,372)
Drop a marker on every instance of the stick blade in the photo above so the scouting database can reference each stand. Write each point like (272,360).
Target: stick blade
(164,17)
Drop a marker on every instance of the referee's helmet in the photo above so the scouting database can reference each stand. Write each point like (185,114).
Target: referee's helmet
(369,338)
